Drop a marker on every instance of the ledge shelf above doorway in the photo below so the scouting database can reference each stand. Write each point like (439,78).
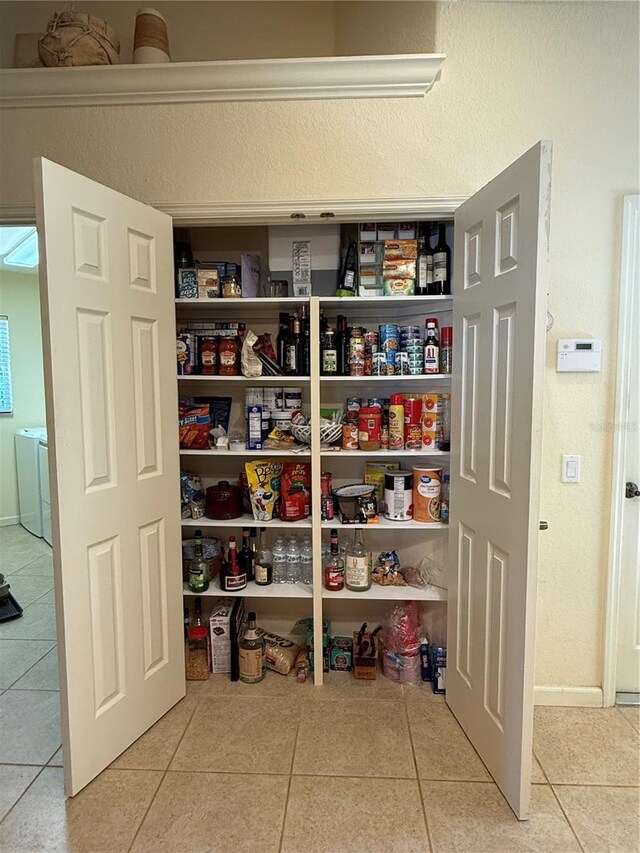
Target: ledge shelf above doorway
(313,78)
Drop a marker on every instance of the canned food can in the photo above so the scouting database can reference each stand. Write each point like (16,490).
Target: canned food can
(409,332)
(379,364)
(390,356)
(353,408)
(402,364)
(376,401)
(398,495)
(371,339)
(269,398)
(279,394)
(292,399)
(388,336)
(426,494)
(350,436)
(325,483)
(412,423)
(327,508)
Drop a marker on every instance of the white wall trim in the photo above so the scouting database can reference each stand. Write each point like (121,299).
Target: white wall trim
(314,78)
(8,520)
(279,212)
(627,348)
(573,697)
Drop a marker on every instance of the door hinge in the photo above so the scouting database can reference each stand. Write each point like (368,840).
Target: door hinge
(544,525)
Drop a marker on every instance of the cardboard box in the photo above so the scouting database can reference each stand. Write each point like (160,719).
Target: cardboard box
(341,654)
(221,630)
(365,657)
(438,668)
(208,282)
(188,284)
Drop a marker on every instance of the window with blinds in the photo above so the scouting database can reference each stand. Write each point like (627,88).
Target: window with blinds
(6,394)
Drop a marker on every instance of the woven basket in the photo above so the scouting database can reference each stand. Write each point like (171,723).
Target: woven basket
(77,38)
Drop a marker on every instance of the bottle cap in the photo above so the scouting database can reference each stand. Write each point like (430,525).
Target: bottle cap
(198,632)
(251,616)
(396,400)
(431,321)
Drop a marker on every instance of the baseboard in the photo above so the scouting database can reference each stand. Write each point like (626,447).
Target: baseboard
(8,520)
(577,697)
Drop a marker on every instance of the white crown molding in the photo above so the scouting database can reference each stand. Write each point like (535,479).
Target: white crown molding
(281,212)
(392,76)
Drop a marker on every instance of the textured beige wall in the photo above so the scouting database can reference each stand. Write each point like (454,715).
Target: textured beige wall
(515,73)
(20,301)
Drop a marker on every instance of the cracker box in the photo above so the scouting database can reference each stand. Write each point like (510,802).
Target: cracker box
(365,657)
(185,354)
(208,283)
(188,284)
(341,654)
(438,657)
(220,629)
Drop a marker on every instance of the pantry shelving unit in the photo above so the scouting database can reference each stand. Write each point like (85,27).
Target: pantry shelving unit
(386,533)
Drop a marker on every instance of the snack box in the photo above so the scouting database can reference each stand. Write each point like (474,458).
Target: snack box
(368,232)
(185,354)
(208,282)
(341,654)
(220,630)
(399,286)
(365,659)
(254,427)
(400,250)
(188,284)
(386,230)
(406,230)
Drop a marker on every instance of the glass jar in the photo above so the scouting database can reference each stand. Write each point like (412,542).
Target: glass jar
(231,287)
(229,357)
(198,654)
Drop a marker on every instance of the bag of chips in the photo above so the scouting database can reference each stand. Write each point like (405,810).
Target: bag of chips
(194,423)
(295,491)
(263,477)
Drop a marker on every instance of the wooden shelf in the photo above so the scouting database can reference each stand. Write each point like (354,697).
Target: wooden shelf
(246,521)
(254,380)
(222,454)
(253,590)
(423,377)
(314,78)
(385,524)
(384,454)
(390,593)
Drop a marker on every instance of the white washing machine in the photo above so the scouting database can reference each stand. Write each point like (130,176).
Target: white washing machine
(45,498)
(28,468)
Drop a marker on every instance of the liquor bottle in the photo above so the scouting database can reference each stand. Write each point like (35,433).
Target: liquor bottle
(231,576)
(198,567)
(328,353)
(441,263)
(342,347)
(305,342)
(349,271)
(422,288)
(292,347)
(357,571)
(196,619)
(334,567)
(431,347)
(252,655)
(185,616)
(283,330)
(263,566)
(246,555)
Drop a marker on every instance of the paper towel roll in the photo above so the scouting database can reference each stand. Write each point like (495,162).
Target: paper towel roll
(150,40)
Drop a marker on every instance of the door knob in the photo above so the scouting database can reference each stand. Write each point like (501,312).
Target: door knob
(544,525)
(632,490)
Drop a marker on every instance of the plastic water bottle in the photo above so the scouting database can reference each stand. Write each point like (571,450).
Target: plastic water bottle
(293,559)
(279,556)
(306,561)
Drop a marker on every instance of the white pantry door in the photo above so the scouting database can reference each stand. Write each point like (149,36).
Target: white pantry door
(501,237)
(108,328)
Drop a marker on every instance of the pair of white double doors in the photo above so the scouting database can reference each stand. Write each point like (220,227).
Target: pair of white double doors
(109,341)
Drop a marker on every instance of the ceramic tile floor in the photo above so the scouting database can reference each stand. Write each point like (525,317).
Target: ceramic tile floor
(283,767)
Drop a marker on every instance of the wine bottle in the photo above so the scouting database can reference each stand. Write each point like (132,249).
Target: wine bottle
(349,272)
(282,335)
(246,555)
(441,263)
(305,345)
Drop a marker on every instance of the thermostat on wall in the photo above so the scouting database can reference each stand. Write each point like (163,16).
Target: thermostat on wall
(579,355)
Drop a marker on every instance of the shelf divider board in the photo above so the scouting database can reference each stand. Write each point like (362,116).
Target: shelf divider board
(316,470)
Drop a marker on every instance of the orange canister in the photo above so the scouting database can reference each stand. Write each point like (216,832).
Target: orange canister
(350,436)
(427,484)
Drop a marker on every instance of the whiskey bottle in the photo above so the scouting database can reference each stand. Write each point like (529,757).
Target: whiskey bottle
(252,656)
(198,567)
(357,571)
(246,555)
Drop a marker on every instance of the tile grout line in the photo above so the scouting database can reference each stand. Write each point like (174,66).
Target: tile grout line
(37,776)
(165,771)
(415,764)
(624,717)
(293,758)
(566,817)
(51,690)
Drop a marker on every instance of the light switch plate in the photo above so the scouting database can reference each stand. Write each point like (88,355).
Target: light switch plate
(570,468)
